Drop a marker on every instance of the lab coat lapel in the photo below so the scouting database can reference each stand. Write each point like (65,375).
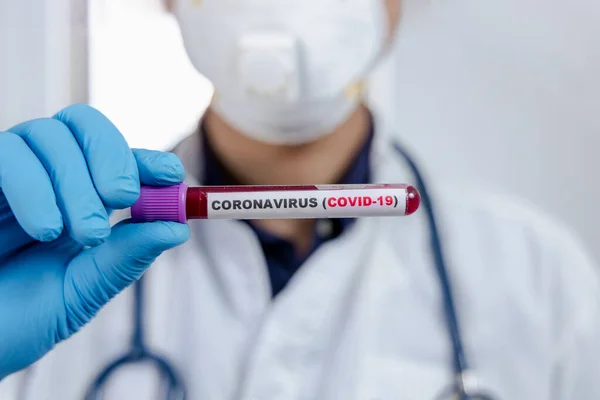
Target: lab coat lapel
(386,371)
(299,332)
(230,249)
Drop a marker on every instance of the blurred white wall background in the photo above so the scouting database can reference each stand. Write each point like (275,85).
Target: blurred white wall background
(506,94)
(43,57)
(141,76)
(500,93)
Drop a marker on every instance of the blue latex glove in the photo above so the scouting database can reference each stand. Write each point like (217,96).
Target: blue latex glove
(60,262)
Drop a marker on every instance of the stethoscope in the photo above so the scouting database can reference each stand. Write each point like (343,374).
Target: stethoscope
(140,353)
(464,387)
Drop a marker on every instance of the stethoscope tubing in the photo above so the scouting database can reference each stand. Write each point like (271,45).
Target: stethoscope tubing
(452,324)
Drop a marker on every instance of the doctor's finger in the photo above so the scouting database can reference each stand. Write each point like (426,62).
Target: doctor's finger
(158,167)
(109,159)
(28,190)
(56,148)
(100,273)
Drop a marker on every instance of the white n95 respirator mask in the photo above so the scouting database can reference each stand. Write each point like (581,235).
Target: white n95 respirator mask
(284,71)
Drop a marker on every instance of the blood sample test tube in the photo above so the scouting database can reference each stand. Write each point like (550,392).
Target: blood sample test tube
(181,203)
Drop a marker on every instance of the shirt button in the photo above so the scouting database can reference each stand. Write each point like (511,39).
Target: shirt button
(324,228)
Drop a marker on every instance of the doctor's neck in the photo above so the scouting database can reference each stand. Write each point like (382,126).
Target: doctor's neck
(323,161)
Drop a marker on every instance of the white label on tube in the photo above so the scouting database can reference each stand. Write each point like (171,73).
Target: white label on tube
(307,204)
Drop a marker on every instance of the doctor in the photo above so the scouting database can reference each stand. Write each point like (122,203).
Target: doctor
(270,310)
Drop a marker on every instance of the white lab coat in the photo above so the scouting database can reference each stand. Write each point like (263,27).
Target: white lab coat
(362,319)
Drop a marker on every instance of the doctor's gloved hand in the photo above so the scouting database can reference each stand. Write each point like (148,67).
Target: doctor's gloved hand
(60,262)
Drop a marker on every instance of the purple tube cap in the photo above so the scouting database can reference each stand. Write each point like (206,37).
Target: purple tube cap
(161,203)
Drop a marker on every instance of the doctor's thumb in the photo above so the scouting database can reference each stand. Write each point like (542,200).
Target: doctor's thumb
(98,274)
